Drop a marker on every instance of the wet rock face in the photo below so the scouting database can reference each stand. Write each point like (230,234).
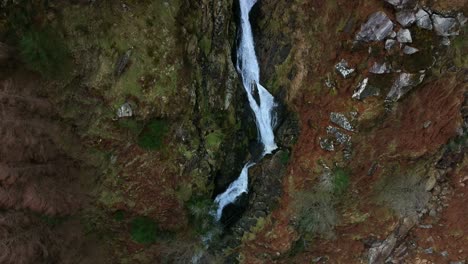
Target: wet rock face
(445,26)
(266,188)
(377,28)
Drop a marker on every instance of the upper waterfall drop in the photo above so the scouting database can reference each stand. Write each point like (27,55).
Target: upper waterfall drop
(247,66)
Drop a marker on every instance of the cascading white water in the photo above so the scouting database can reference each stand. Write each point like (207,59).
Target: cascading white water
(247,66)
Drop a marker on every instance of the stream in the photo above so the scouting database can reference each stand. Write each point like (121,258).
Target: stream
(260,100)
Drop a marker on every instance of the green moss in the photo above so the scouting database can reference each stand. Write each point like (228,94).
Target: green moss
(284,157)
(130,125)
(459,46)
(214,140)
(53,221)
(205,45)
(143,230)
(119,215)
(152,135)
(340,180)
(201,217)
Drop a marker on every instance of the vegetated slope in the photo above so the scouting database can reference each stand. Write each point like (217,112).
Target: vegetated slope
(39,182)
(391,151)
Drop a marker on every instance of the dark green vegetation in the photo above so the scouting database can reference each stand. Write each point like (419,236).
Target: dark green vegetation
(40,44)
(340,180)
(202,212)
(152,136)
(143,230)
(45,52)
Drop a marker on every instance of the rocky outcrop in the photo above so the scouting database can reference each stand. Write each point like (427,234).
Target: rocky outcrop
(377,28)
(403,84)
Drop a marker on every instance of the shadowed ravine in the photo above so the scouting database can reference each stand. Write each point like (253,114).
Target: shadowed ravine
(263,107)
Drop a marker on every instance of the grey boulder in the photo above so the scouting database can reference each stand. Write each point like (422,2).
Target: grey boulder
(404,36)
(389,43)
(406,18)
(377,28)
(403,84)
(365,89)
(380,68)
(409,50)
(445,26)
(402,4)
(341,120)
(423,19)
(125,110)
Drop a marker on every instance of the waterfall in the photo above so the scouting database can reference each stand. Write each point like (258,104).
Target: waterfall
(247,67)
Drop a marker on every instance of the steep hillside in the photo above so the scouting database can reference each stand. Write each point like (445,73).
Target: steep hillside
(121,121)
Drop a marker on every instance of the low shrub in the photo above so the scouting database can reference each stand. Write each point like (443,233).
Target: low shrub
(143,230)
(152,135)
(404,193)
(316,213)
(202,218)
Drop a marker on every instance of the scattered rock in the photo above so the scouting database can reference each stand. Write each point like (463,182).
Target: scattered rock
(402,4)
(404,36)
(125,110)
(444,254)
(427,124)
(343,69)
(431,182)
(327,144)
(377,28)
(403,84)
(406,18)
(341,137)
(462,19)
(380,68)
(379,253)
(445,26)
(365,89)
(341,120)
(429,250)
(330,83)
(122,63)
(372,169)
(445,41)
(425,226)
(408,50)
(389,43)
(423,20)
